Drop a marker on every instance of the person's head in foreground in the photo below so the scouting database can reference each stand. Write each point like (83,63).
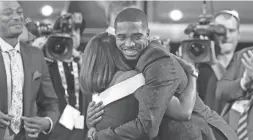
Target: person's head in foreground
(101,60)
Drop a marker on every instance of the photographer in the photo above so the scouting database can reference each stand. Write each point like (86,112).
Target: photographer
(235,88)
(211,73)
(64,71)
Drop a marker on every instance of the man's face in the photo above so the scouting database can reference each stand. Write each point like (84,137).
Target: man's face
(11,19)
(131,39)
(233,34)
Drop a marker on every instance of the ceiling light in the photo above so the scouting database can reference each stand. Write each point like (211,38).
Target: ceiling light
(47,10)
(176,15)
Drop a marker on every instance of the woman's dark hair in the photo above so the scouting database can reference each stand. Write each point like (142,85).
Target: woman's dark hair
(100,60)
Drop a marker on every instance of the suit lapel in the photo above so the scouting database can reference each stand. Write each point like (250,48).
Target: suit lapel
(3,86)
(27,79)
(4,92)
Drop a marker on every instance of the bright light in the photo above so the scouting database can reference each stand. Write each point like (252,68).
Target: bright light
(47,10)
(176,15)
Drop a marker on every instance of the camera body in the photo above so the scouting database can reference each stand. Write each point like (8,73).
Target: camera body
(45,29)
(59,45)
(199,50)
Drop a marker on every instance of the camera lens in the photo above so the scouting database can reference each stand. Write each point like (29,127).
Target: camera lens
(59,45)
(196,49)
(59,48)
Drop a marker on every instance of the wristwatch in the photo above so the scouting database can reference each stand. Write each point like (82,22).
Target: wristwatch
(195,73)
(91,133)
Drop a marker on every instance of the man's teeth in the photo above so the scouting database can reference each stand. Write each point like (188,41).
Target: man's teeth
(130,51)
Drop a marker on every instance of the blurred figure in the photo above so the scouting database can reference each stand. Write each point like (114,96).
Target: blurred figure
(76,36)
(28,35)
(65,79)
(235,88)
(29,104)
(209,74)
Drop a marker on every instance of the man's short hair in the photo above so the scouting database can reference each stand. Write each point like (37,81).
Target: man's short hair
(132,15)
(114,7)
(228,14)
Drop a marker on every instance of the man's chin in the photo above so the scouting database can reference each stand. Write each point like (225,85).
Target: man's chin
(227,48)
(227,51)
(130,57)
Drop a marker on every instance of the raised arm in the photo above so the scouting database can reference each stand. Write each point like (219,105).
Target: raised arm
(229,87)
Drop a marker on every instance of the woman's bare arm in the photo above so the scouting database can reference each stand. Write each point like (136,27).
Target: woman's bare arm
(180,108)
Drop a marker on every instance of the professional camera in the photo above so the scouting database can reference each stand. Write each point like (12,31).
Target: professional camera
(59,45)
(203,50)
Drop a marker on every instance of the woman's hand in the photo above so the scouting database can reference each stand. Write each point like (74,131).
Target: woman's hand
(94,113)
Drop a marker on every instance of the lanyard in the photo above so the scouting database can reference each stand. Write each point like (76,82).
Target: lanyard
(64,81)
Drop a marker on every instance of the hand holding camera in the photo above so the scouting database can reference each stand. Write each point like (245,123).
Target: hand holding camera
(205,37)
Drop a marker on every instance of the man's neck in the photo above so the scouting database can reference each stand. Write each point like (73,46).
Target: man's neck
(11,41)
(132,63)
(225,59)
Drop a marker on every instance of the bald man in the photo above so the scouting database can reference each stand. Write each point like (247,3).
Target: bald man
(28,103)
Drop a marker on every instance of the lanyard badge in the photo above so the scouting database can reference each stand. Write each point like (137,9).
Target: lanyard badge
(64,81)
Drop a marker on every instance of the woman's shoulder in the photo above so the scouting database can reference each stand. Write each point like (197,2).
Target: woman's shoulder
(122,75)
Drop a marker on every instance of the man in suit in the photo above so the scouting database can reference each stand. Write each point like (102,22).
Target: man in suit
(232,88)
(28,103)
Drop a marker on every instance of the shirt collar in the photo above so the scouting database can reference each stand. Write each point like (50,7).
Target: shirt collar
(7,47)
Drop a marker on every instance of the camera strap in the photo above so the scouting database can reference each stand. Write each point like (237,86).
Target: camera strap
(64,81)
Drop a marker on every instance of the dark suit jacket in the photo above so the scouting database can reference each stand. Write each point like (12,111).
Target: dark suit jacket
(164,76)
(206,86)
(230,90)
(204,124)
(38,94)
(60,132)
